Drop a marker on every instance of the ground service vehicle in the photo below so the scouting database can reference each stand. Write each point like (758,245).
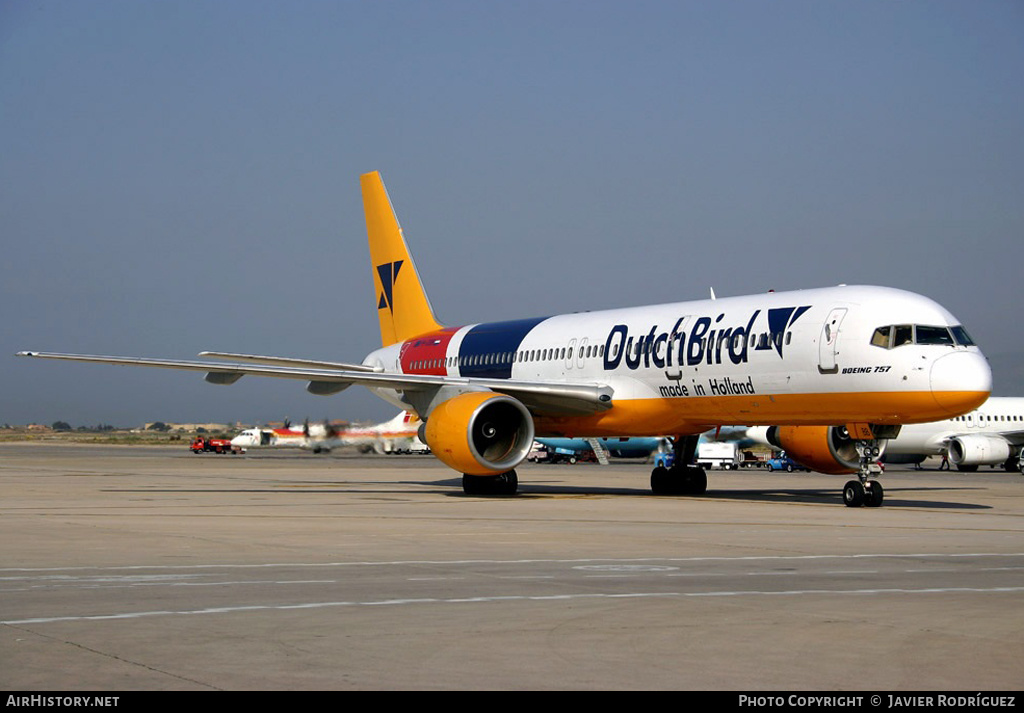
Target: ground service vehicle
(718,455)
(784,462)
(201,444)
(751,460)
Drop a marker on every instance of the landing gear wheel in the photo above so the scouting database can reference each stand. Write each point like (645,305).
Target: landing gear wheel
(683,478)
(874,495)
(503,484)
(661,481)
(853,494)
(679,481)
(507,483)
(696,482)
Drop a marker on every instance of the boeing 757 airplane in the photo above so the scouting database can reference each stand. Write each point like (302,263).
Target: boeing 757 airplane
(866,358)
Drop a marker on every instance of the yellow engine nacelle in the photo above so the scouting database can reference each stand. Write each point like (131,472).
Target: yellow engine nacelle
(480,433)
(826,449)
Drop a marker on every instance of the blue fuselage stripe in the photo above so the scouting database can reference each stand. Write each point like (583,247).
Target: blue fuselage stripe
(488,350)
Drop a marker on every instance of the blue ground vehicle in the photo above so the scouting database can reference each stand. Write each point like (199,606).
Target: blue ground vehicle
(665,460)
(784,462)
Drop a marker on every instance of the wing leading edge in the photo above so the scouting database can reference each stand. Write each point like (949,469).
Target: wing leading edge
(541,397)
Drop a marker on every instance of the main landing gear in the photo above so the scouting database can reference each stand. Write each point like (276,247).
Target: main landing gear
(863,491)
(503,484)
(681,478)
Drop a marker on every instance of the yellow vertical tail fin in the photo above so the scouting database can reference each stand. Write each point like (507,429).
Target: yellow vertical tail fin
(402,305)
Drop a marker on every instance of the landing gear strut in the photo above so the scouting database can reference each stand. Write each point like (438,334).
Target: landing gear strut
(864,491)
(503,484)
(682,478)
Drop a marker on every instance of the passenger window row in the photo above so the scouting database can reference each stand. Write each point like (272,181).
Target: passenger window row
(987,418)
(528,355)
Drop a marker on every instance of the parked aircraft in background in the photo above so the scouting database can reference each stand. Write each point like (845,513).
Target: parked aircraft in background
(636,447)
(865,359)
(398,435)
(601,448)
(992,435)
(317,437)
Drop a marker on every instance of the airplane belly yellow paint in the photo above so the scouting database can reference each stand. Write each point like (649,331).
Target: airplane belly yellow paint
(642,417)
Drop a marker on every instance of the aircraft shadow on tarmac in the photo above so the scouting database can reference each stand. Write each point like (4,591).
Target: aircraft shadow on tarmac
(894,496)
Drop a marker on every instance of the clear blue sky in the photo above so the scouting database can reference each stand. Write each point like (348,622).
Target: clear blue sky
(179,176)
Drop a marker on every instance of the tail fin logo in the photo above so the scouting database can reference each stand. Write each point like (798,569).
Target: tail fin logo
(388,273)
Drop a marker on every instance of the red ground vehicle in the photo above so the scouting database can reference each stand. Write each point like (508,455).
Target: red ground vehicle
(213,445)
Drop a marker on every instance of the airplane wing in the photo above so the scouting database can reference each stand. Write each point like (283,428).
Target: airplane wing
(1014,437)
(541,397)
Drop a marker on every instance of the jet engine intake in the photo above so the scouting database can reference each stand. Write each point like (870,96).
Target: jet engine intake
(826,449)
(480,433)
(978,449)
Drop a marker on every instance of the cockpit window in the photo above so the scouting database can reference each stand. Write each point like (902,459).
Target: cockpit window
(961,336)
(897,335)
(933,335)
(903,334)
(881,337)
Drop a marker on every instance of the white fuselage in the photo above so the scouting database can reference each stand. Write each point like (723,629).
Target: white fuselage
(801,357)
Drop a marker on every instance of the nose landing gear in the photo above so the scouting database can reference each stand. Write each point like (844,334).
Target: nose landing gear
(864,491)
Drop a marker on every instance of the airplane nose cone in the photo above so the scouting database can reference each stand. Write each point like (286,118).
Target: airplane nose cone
(961,381)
